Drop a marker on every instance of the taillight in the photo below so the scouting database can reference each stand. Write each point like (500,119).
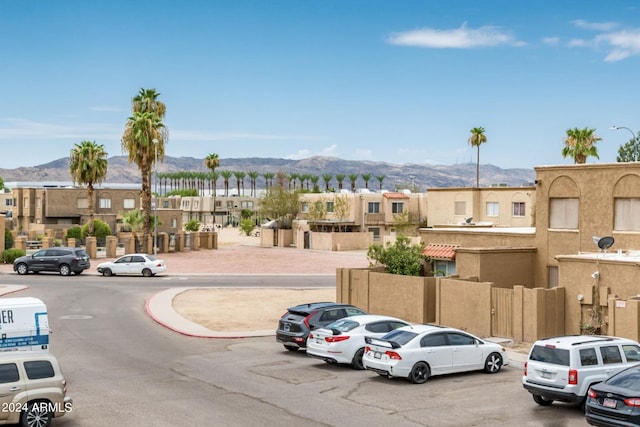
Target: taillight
(632,401)
(573,377)
(337,338)
(367,349)
(306,319)
(592,394)
(310,336)
(525,368)
(393,355)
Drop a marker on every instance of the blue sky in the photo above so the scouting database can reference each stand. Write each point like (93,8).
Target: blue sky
(400,81)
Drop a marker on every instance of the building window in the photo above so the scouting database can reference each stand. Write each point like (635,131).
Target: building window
(218,204)
(493,209)
(396,207)
(329,207)
(129,203)
(185,204)
(518,209)
(374,207)
(444,268)
(196,204)
(460,208)
(553,276)
(305,207)
(627,214)
(8,202)
(165,204)
(174,223)
(246,205)
(563,213)
(376,232)
(83,203)
(229,204)
(104,203)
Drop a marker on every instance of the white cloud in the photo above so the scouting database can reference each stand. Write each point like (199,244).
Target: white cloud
(578,43)
(305,153)
(622,43)
(551,40)
(459,38)
(597,26)
(17,128)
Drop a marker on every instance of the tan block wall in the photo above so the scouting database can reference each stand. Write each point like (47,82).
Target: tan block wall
(464,305)
(406,297)
(505,267)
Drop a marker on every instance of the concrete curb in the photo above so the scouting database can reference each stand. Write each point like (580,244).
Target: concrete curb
(10,289)
(160,308)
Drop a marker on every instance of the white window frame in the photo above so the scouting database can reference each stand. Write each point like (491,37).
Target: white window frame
(626,214)
(563,213)
(129,203)
(493,209)
(104,203)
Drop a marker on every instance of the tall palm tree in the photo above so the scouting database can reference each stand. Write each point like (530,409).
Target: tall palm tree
(88,165)
(239,180)
(580,144)
(380,178)
(253,176)
(144,141)
(340,177)
(326,178)
(366,177)
(314,180)
(292,179)
(268,179)
(226,175)
(212,161)
(476,139)
(353,178)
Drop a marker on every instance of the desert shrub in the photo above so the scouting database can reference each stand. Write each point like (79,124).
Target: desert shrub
(100,229)
(247,225)
(401,257)
(10,255)
(8,239)
(192,225)
(74,232)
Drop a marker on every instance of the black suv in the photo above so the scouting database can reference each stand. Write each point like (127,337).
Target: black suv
(294,326)
(62,260)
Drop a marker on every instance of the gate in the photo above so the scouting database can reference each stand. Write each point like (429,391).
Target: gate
(501,312)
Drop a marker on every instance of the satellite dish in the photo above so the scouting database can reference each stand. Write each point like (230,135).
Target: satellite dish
(606,242)
(468,220)
(595,239)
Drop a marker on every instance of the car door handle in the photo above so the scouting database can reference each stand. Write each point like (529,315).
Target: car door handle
(15,388)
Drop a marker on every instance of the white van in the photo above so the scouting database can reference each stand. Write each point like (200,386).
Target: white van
(24,325)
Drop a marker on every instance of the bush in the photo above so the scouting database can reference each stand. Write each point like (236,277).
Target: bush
(100,229)
(74,232)
(247,225)
(399,258)
(10,255)
(8,239)
(192,225)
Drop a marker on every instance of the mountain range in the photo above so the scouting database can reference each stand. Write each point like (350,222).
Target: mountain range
(406,175)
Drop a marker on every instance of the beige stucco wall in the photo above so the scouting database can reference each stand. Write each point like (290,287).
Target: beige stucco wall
(505,267)
(469,310)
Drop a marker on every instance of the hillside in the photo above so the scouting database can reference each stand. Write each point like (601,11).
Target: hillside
(396,175)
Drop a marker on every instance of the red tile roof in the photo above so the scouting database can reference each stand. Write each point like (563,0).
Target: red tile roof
(395,196)
(440,251)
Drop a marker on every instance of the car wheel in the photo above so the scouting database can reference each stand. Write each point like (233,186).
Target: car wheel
(147,273)
(107,272)
(291,347)
(493,364)
(420,373)
(37,414)
(356,363)
(22,268)
(64,270)
(541,400)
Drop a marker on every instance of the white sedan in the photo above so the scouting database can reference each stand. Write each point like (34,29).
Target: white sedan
(147,265)
(343,340)
(420,351)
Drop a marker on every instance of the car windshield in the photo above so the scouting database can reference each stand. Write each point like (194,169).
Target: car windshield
(343,325)
(400,337)
(550,354)
(628,379)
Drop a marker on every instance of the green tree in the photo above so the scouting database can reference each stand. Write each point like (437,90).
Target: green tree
(401,257)
(101,229)
(268,179)
(630,151)
(340,178)
(247,225)
(132,220)
(192,225)
(314,180)
(144,140)
(366,177)
(212,161)
(281,204)
(380,178)
(88,166)
(253,177)
(341,208)
(476,139)
(226,175)
(327,179)
(240,181)
(8,239)
(1,183)
(580,144)
(353,178)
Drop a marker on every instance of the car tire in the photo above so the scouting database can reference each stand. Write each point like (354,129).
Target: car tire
(107,272)
(64,270)
(541,400)
(22,268)
(356,362)
(147,273)
(36,415)
(493,364)
(420,373)
(291,347)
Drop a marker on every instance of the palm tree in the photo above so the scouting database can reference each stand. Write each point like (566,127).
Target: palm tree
(366,177)
(144,141)
(292,179)
(239,180)
(476,139)
(353,178)
(268,179)
(326,178)
(340,177)
(212,161)
(253,176)
(314,180)
(226,175)
(88,165)
(580,144)
(380,178)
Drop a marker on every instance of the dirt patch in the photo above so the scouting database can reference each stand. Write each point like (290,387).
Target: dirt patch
(229,310)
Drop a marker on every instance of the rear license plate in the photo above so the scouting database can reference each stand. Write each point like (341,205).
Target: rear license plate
(377,355)
(286,327)
(609,403)
(546,375)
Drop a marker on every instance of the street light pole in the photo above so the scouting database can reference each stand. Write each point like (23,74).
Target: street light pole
(155,205)
(624,127)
